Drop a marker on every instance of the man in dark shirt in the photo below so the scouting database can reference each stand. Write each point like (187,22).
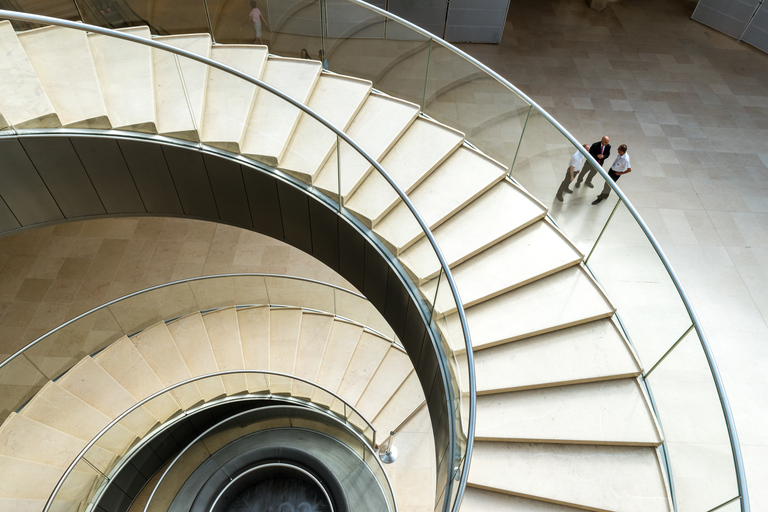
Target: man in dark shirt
(600,151)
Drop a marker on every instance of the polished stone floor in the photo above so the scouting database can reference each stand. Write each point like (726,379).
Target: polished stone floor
(692,105)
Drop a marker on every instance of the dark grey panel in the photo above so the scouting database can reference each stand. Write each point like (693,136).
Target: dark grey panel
(428,368)
(264,203)
(191,180)
(152,177)
(375,283)
(58,164)
(7,220)
(22,188)
(229,190)
(325,234)
(427,14)
(105,165)
(397,304)
(476,21)
(295,211)
(351,255)
(415,336)
(729,16)
(757,32)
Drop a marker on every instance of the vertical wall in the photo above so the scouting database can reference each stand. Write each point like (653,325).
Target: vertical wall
(746,20)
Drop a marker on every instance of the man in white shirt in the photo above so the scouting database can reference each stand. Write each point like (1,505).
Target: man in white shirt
(618,167)
(574,166)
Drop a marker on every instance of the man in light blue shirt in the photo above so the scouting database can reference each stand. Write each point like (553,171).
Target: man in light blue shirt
(618,167)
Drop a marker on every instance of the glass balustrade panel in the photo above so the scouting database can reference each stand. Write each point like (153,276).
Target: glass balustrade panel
(20,380)
(349,305)
(64,9)
(80,487)
(295,292)
(695,432)
(164,17)
(638,285)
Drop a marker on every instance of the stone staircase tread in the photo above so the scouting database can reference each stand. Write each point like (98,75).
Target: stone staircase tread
(342,341)
(418,152)
(498,213)
(377,126)
(24,479)
(23,101)
(313,337)
(481,500)
(461,178)
(338,99)
(24,438)
(609,412)
(126,82)
(569,297)
(368,355)
(128,367)
(400,405)
(389,376)
(224,335)
(180,86)
(228,99)
(532,253)
(254,339)
(615,478)
(284,330)
(191,338)
(588,352)
(62,61)
(272,119)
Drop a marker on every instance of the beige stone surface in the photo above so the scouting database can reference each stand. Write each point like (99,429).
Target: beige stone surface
(228,99)
(591,351)
(284,329)
(377,126)
(126,83)
(254,339)
(313,337)
(479,500)
(91,383)
(338,352)
(191,338)
(444,192)
(71,83)
(23,101)
(31,480)
(403,402)
(610,412)
(180,85)
(24,438)
(369,353)
(389,376)
(272,119)
(158,349)
(532,253)
(127,366)
(337,99)
(416,154)
(621,478)
(224,336)
(501,211)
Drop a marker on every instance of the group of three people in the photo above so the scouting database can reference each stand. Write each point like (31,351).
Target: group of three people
(600,151)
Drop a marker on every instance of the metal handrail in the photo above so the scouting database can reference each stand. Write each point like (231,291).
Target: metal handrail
(340,134)
(161,392)
(730,423)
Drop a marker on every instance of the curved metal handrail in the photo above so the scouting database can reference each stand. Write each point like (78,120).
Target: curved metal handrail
(725,404)
(340,134)
(168,389)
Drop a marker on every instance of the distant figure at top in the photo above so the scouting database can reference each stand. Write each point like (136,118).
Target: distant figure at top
(305,54)
(321,57)
(256,17)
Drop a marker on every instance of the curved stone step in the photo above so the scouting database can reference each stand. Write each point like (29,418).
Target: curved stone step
(492,217)
(530,254)
(338,99)
(390,375)
(605,478)
(180,85)
(593,351)
(62,61)
(254,339)
(610,412)
(377,126)
(367,358)
(284,329)
(224,335)
(23,101)
(408,397)
(228,99)
(126,82)
(460,179)
(480,500)
(27,480)
(191,338)
(272,119)
(416,154)
(313,338)
(338,352)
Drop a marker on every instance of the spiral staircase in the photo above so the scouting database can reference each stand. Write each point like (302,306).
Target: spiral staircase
(563,421)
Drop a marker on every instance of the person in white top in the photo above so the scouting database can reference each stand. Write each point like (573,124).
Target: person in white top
(574,166)
(256,18)
(618,167)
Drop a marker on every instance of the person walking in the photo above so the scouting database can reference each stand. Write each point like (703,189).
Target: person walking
(574,166)
(256,17)
(619,166)
(600,151)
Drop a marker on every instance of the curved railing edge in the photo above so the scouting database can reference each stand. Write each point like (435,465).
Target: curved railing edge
(725,404)
(339,133)
(167,389)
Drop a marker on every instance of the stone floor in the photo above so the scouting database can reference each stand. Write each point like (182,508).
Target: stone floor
(692,105)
